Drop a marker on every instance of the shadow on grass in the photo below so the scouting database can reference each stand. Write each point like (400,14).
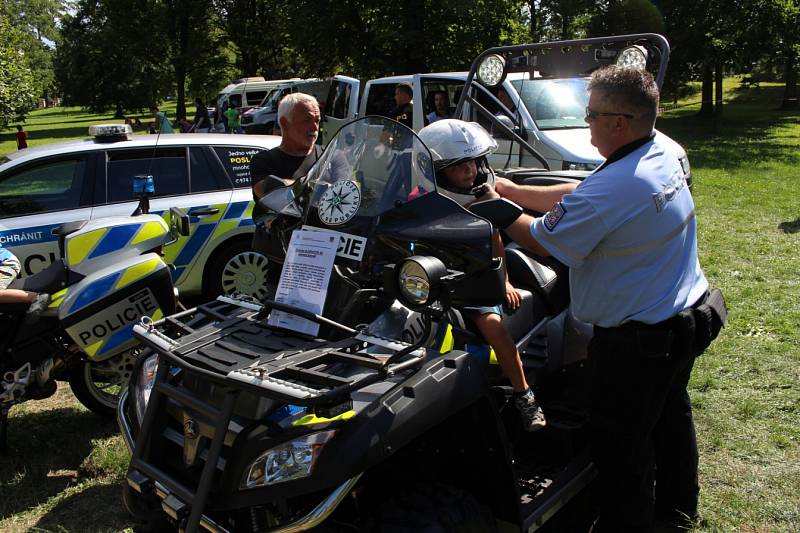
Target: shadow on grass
(45,452)
(790,227)
(103,503)
(744,131)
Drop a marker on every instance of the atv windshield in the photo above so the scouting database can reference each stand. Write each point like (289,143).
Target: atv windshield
(555,103)
(385,160)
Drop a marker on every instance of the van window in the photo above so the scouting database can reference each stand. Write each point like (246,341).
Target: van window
(236,160)
(555,104)
(167,165)
(381,99)
(255,97)
(339,100)
(235,100)
(50,185)
(451,88)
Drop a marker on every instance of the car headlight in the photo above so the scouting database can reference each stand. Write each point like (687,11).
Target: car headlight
(491,70)
(291,460)
(418,280)
(573,165)
(632,57)
(144,385)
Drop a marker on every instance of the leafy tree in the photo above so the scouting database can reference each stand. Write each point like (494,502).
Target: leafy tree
(111,56)
(35,23)
(17,88)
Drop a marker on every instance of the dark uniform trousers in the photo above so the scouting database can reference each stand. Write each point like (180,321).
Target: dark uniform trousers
(643,437)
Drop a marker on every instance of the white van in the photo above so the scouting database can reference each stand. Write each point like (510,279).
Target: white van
(263,119)
(547,112)
(247,92)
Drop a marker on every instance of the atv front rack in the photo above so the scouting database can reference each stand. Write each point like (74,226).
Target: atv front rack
(228,342)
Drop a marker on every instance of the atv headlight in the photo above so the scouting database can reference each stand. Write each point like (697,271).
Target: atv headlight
(418,280)
(492,70)
(144,385)
(291,460)
(632,57)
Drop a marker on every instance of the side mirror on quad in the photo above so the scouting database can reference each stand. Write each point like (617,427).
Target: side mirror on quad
(279,197)
(499,211)
(178,223)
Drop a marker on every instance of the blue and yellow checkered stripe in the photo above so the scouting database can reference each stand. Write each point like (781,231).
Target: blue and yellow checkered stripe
(103,241)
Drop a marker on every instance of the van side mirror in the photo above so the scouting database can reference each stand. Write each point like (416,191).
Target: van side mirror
(178,222)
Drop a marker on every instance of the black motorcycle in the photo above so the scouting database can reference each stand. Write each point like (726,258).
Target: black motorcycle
(391,412)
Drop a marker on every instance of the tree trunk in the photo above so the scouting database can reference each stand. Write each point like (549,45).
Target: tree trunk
(718,64)
(790,95)
(707,106)
(534,21)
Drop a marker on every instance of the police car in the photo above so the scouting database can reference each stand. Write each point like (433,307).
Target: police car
(206,175)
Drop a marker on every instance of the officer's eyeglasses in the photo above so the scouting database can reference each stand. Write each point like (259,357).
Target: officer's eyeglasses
(591,114)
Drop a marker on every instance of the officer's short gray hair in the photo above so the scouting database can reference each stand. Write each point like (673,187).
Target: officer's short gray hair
(288,102)
(629,90)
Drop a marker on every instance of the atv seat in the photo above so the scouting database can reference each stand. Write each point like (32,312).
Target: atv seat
(546,276)
(50,280)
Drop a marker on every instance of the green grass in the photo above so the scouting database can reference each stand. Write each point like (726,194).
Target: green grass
(68,465)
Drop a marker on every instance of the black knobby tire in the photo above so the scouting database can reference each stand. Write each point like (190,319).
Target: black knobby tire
(98,385)
(433,508)
(235,267)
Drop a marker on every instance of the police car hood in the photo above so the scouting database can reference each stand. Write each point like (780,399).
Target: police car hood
(575,144)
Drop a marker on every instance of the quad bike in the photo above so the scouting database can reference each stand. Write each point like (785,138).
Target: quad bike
(391,414)
(109,275)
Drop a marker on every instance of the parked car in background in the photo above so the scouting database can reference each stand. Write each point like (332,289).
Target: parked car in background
(206,175)
(264,117)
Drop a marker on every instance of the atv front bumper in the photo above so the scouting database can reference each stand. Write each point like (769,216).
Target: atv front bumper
(174,504)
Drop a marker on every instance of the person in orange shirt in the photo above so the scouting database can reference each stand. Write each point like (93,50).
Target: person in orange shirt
(22,138)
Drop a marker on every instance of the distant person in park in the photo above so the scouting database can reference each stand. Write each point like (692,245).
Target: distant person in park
(232,114)
(137,123)
(162,124)
(442,107)
(222,117)
(201,121)
(22,138)
(129,122)
(184,125)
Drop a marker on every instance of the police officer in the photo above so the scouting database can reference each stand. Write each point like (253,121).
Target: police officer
(628,234)
(403,112)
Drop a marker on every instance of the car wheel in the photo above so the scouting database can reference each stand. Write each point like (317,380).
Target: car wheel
(237,269)
(98,385)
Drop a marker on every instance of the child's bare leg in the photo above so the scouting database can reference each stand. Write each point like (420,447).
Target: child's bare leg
(492,329)
(16,296)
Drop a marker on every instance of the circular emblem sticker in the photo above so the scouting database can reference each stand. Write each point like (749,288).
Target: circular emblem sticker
(339,203)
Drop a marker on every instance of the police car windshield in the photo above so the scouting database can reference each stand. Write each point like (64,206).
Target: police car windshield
(555,103)
(383,163)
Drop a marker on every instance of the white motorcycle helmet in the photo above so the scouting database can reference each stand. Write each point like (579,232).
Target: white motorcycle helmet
(452,142)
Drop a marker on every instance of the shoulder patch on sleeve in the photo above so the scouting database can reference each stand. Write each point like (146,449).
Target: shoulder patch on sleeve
(552,217)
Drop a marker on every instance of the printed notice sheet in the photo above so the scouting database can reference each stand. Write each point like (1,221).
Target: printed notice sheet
(304,278)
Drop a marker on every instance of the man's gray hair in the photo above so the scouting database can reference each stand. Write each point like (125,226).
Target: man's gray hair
(288,102)
(628,90)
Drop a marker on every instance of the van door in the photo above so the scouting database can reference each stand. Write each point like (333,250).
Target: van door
(341,106)
(429,88)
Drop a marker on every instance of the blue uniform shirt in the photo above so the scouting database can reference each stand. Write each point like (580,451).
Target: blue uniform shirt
(628,234)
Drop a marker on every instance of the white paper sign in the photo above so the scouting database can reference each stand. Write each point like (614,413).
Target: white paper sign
(304,278)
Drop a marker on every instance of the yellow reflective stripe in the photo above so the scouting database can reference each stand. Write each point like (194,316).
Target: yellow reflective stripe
(150,230)
(80,246)
(248,211)
(493,357)
(58,297)
(158,315)
(448,341)
(94,348)
(224,227)
(314,419)
(137,272)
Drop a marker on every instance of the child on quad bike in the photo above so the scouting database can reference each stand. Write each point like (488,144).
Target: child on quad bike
(459,151)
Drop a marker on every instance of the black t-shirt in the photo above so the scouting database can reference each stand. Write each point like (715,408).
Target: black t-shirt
(276,162)
(403,114)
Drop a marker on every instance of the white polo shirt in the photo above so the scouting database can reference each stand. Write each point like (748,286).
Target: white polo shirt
(628,234)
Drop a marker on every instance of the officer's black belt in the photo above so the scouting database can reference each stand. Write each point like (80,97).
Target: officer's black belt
(688,332)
